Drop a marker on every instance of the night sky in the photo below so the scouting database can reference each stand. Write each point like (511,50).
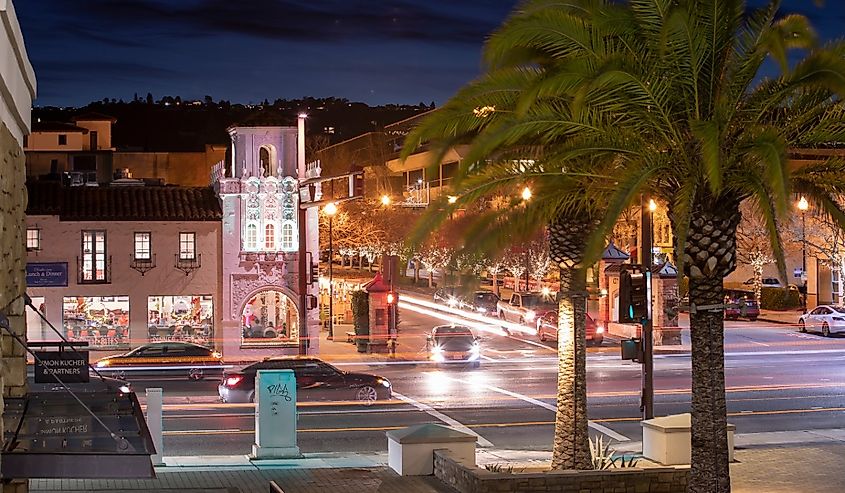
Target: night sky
(386,51)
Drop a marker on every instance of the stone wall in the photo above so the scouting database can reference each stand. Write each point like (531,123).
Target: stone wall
(12,272)
(475,480)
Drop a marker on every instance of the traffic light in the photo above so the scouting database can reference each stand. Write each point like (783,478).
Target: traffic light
(314,274)
(391,298)
(633,294)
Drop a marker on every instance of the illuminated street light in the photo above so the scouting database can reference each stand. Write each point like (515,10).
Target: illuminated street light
(803,205)
(385,200)
(526,193)
(330,210)
(652,205)
(452,199)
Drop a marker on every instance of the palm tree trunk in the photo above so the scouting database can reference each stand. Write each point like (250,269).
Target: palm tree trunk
(571,442)
(709,256)
(567,240)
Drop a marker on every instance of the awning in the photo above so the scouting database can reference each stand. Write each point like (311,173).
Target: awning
(52,435)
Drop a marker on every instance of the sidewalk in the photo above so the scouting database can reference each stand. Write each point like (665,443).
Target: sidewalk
(772,462)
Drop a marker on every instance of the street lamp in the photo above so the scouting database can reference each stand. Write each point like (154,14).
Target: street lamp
(526,193)
(330,210)
(385,200)
(803,205)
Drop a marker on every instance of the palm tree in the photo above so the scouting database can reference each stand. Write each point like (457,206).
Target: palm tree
(670,92)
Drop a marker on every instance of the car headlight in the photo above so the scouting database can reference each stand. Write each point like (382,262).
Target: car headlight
(101,364)
(530,315)
(451,301)
(481,309)
(125,389)
(383,382)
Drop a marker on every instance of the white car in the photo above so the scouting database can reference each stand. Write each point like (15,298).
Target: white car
(825,318)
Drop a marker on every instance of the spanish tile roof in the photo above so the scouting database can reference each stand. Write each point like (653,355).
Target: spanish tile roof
(57,127)
(123,203)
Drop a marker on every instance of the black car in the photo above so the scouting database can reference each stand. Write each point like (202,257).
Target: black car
(453,344)
(315,380)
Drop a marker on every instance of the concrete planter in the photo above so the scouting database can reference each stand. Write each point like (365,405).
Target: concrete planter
(666,440)
(410,451)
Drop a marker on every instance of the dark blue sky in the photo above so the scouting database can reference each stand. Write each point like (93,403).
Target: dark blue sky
(384,51)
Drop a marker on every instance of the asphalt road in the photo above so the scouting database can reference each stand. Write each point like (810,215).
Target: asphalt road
(777,380)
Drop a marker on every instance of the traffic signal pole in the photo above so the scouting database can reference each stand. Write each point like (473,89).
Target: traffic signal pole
(647,403)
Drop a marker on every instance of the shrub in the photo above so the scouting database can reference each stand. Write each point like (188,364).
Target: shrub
(780,299)
(361,318)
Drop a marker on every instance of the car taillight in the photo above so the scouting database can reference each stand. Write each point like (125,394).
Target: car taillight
(233,380)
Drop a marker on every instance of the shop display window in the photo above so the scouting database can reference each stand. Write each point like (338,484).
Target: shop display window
(181,318)
(103,322)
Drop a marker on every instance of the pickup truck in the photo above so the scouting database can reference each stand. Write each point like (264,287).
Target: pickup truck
(525,308)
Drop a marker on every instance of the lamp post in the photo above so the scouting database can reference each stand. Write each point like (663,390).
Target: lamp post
(803,205)
(526,196)
(330,210)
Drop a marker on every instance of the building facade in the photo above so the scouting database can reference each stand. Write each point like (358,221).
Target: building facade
(17,91)
(270,243)
(120,266)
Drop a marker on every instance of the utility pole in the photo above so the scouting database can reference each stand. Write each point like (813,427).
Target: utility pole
(646,221)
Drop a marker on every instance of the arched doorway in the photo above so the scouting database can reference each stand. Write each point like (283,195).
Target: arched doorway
(270,317)
(267,160)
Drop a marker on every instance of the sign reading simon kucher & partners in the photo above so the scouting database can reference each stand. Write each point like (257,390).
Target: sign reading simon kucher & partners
(70,367)
(46,274)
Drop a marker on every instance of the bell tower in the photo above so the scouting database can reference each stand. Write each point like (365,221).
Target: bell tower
(264,296)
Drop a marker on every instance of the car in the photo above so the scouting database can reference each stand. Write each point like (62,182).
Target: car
(169,357)
(825,318)
(741,304)
(525,308)
(453,344)
(481,301)
(547,329)
(316,380)
(767,282)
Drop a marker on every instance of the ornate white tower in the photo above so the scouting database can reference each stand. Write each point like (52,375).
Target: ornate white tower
(263,296)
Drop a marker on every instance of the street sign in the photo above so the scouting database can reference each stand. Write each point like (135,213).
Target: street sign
(68,366)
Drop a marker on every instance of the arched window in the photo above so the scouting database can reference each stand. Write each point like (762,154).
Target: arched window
(251,237)
(270,237)
(264,162)
(287,236)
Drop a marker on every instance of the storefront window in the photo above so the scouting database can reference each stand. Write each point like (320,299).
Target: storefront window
(181,318)
(270,318)
(101,321)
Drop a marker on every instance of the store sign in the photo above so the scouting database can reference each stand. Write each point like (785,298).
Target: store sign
(70,367)
(47,274)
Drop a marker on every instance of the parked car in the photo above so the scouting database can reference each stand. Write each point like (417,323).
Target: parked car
(747,305)
(825,318)
(768,282)
(453,344)
(547,329)
(525,307)
(158,358)
(315,380)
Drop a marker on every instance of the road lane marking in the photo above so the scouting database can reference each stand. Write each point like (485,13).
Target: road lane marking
(482,442)
(601,429)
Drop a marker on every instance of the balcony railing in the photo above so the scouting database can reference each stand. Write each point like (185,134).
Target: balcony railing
(142,265)
(92,275)
(188,265)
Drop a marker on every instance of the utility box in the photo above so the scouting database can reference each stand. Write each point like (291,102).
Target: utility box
(632,349)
